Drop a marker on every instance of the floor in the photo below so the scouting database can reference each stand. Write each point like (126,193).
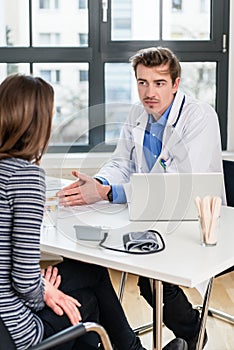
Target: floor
(220,333)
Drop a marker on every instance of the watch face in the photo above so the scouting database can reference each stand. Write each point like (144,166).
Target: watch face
(110,195)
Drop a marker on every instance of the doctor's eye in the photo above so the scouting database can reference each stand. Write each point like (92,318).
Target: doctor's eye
(142,82)
(160,83)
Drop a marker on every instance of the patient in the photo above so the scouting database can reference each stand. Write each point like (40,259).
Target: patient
(34,303)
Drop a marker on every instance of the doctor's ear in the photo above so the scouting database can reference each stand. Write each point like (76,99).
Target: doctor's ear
(176,84)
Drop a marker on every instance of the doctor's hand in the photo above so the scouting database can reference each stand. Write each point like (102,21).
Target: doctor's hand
(85,190)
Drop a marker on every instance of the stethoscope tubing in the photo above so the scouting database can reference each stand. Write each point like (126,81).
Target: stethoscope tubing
(173,125)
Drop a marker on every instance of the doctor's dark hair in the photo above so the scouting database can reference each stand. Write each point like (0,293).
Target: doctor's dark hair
(26,108)
(156,56)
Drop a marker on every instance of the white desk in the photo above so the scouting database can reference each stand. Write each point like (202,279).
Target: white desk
(184,261)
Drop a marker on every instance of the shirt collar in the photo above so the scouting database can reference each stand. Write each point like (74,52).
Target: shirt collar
(163,119)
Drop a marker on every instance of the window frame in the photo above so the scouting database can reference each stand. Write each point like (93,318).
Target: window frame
(106,51)
(187,51)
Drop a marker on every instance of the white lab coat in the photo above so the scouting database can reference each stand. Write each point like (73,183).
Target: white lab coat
(193,145)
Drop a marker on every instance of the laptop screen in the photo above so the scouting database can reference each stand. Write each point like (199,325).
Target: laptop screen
(170,196)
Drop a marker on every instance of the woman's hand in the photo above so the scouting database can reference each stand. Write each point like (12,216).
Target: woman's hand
(60,302)
(51,275)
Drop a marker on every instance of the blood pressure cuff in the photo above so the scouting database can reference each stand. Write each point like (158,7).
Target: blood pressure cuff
(145,241)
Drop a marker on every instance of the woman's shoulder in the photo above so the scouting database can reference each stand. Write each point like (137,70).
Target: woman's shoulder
(17,164)
(19,170)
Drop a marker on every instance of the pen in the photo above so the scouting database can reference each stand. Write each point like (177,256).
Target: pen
(162,162)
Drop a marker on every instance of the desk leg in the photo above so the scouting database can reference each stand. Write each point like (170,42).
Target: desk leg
(157,314)
(204,314)
(123,280)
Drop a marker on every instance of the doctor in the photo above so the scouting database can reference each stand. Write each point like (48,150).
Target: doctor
(167,132)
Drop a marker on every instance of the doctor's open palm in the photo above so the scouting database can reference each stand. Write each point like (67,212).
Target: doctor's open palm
(85,190)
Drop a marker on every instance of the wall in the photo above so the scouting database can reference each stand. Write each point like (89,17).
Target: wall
(61,165)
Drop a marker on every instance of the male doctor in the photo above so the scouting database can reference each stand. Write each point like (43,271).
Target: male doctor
(168,132)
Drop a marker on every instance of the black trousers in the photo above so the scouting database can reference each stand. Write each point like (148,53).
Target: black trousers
(91,285)
(178,313)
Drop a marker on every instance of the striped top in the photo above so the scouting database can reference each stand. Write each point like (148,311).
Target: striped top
(22,196)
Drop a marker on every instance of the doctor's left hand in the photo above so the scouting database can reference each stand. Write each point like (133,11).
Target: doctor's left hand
(85,190)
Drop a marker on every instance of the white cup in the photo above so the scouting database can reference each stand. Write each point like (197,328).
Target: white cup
(51,208)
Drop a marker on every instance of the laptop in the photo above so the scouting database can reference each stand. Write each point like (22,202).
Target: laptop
(163,197)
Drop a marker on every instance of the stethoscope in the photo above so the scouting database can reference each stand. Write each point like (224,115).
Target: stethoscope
(179,113)
(173,125)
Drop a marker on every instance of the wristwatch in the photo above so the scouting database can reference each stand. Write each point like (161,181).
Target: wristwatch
(110,195)
(98,180)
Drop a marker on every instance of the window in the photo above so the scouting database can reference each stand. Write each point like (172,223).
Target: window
(204,6)
(48,4)
(44,4)
(58,112)
(49,39)
(84,50)
(193,30)
(11,68)
(132,21)
(56,27)
(52,76)
(82,4)
(83,39)
(84,75)
(176,5)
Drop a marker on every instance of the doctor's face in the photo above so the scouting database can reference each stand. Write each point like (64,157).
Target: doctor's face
(155,88)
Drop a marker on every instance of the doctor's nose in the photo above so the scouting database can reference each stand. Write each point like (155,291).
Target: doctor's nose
(151,91)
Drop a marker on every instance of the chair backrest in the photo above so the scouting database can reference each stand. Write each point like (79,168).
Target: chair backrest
(228,170)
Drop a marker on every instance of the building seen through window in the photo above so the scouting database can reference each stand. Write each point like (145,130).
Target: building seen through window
(85,57)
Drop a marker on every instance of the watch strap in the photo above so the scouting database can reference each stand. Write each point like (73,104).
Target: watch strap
(98,180)
(110,195)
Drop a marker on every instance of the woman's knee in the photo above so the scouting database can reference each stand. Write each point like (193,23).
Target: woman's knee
(77,274)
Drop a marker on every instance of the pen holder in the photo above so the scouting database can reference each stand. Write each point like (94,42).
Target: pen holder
(209,235)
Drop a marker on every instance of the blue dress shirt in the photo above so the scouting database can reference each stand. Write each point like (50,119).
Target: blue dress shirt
(152,146)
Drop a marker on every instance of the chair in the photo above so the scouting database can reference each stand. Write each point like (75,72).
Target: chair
(228,171)
(59,338)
